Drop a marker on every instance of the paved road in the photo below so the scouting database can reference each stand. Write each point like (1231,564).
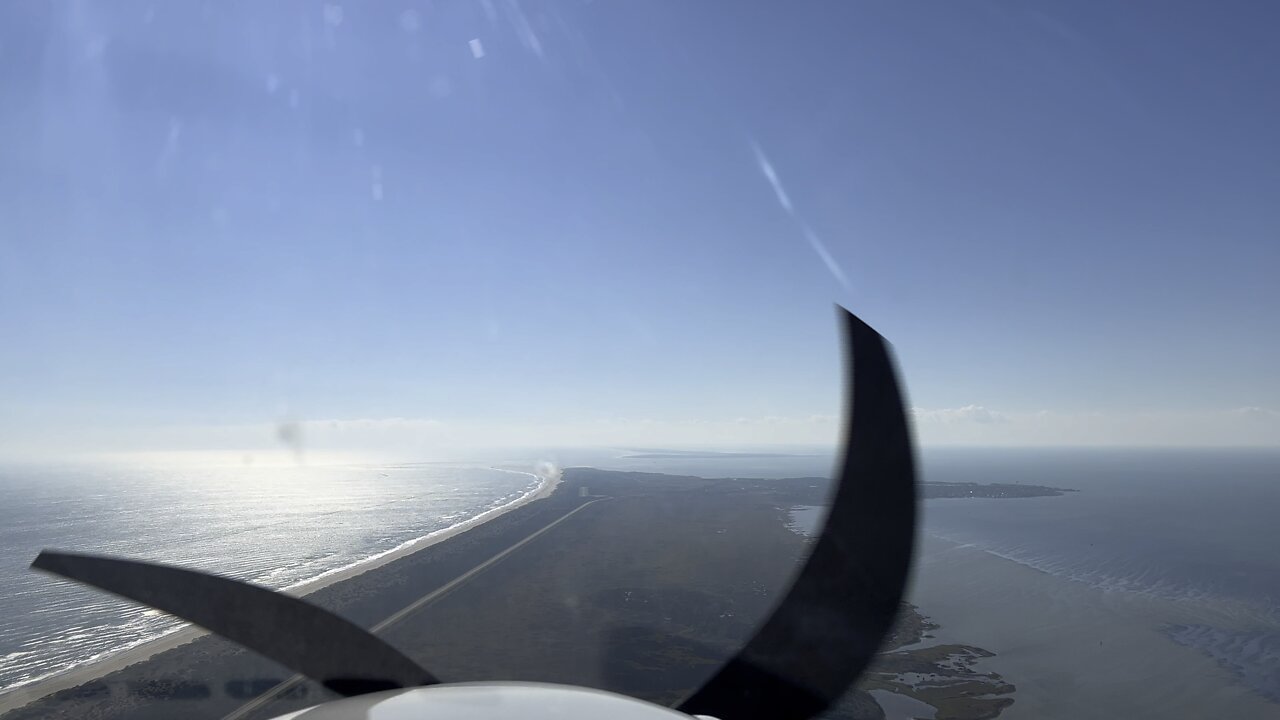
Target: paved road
(275,692)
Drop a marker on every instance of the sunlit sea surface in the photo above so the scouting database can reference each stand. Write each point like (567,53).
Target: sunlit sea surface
(273,526)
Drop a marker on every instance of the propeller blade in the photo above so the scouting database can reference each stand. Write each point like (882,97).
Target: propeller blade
(846,598)
(303,637)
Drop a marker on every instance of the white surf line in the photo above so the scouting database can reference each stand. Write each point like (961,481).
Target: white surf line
(409,609)
(546,483)
(109,661)
(329,577)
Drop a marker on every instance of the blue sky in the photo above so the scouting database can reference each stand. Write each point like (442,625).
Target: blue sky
(416,226)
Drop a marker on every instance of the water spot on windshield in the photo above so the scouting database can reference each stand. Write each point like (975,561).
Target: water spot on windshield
(409,21)
(333,15)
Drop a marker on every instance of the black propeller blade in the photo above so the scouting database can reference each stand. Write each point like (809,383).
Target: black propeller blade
(304,638)
(802,659)
(846,597)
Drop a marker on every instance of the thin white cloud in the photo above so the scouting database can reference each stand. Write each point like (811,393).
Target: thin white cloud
(1257,412)
(979,425)
(966,414)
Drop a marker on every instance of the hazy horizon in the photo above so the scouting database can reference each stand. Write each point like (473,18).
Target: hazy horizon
(560,456)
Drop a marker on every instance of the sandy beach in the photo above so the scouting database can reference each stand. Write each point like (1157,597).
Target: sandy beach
(22,695)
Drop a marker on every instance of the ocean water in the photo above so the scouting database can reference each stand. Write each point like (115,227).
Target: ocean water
(1153,592)
(274,526)
(1198,530)
(1184,525)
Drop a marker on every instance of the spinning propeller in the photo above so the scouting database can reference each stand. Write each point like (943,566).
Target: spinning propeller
(808,652)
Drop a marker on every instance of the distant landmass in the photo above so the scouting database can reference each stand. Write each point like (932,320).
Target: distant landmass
(991,490)
(675,455)
(817,491)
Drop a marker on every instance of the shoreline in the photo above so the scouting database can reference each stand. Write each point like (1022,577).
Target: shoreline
(31,691)
(1036,624)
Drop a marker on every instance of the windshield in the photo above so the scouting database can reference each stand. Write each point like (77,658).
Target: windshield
(504,330)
